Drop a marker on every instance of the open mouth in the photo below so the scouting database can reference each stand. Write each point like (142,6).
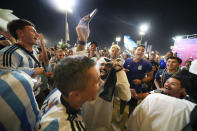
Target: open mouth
(103,72)
(167,88)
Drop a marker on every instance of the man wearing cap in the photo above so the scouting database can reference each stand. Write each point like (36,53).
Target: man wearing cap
(97,115)
(172,68)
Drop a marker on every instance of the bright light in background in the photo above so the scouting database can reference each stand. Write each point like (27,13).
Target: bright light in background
(143,27)
(64,5)
(118,39)
(142,33)
(177,38)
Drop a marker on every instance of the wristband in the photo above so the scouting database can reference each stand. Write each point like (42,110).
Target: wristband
(81,42)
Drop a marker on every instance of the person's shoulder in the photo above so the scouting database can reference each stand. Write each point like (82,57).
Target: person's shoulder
(50,101)
(162,99)
(128,60)
(55,119)
(146,62)
(160,71)
(6,49)
(19,75)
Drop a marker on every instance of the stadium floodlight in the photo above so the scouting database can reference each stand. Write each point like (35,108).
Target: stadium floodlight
(118,39)
(143,27)
(142,33)
(64,5)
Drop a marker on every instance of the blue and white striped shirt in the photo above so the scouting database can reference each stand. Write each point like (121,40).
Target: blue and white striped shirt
(15,57)
(19,110)
(57,115)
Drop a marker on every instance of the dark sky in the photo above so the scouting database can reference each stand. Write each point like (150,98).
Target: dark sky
(114,18)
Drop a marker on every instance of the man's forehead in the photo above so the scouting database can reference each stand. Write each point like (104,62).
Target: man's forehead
(93,44)
(141,48)
(174,80)
(29,27)
(172,60)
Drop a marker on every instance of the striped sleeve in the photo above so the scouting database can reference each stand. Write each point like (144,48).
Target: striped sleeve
(19,108)
(55,117)
(61,124)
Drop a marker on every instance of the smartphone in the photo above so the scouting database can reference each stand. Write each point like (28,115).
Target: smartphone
(92,14)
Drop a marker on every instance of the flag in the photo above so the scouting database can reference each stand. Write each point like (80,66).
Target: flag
(5,17)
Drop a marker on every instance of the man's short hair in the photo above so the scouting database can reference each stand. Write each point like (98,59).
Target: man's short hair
(189,82)
(71,73)
(177,58)
(59,50)
(17,24)
(140,46)
(116,47)
(94,42)
(179,77)
(170,52)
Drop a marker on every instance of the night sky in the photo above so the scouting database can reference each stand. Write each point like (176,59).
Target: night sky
(114,18)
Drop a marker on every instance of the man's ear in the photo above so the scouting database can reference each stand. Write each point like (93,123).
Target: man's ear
(74,95)
(19,33)
(183,92)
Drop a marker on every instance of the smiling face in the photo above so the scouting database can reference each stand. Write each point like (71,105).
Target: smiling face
(28,35)
(172,64)
(92,47)
(104,70)
(172,87)
(114,52)
(139,52)
(60,55)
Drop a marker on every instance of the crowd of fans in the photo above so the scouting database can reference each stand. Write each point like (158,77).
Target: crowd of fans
(55,88)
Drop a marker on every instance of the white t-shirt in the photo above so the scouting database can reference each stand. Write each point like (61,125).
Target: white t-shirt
(158,112)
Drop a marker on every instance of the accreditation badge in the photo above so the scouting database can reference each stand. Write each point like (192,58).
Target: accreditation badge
(140,67)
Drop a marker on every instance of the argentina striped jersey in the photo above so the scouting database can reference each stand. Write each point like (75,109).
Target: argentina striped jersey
(19,110)
(14,56)
(58,116)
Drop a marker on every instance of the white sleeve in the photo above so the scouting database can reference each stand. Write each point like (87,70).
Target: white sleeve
(123,86)
(158,112)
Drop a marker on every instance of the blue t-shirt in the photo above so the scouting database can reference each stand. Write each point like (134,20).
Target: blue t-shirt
(158,76)
(162,64)
(137,70)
